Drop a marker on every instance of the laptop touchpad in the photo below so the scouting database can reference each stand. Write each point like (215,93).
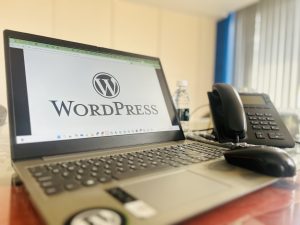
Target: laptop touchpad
(173,190)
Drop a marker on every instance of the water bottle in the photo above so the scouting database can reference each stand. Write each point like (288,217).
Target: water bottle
(3,113)
(182,104)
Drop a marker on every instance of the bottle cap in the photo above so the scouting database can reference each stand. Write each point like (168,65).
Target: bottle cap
(182,83)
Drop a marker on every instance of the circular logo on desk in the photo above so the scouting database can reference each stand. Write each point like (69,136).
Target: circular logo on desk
(106,85)
(97,216)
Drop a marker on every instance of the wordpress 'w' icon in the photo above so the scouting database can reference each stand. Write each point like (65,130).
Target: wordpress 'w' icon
(106,85)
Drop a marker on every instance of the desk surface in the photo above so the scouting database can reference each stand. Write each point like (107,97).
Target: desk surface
(277,204)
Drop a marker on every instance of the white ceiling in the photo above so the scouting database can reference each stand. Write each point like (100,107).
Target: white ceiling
(214,8)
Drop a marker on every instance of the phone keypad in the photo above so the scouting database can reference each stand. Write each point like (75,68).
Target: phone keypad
(264,125)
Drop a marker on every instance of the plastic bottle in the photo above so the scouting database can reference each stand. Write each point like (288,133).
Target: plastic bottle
(3,113)
(182,103)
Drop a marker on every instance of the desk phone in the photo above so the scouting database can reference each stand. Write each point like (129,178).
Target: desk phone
(247,117)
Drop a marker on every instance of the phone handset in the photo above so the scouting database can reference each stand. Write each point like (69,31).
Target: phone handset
(227,113)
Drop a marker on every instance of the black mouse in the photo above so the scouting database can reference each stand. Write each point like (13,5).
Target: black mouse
(263,159)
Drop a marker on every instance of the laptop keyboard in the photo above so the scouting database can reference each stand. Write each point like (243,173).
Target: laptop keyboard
(71,175)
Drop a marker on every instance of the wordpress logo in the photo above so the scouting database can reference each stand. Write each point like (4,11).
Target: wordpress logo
(106,85)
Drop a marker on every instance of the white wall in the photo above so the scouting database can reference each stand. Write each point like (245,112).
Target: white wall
(185,43)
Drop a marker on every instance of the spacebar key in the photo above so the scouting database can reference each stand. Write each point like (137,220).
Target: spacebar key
(135,173)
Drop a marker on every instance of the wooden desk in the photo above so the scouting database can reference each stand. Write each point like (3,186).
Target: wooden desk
(278,204)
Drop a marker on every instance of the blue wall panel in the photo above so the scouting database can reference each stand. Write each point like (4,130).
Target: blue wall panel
(225,50)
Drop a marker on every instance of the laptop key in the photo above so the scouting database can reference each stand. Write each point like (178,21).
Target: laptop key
(89,182)
(66,174)
(174,164)
(80,171)
(52,190)
(104,179)
(55,171)
(94,169)
(71,168)
(195,160)
(83,166)
(64,165)
(107,172)
(40,174)
(44,178)
(133,167)
(70,186)
(121,169)
(78,177)
(97,164)
(90,161)
(34,170)
(47,184)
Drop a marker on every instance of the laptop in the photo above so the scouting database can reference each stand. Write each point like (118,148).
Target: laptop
(96,140)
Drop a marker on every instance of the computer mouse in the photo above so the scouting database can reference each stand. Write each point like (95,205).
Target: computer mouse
(263,159)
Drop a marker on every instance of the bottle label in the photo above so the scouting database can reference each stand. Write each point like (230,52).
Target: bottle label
(183,114)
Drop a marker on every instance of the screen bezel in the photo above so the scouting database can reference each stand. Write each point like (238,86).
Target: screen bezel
(42,149)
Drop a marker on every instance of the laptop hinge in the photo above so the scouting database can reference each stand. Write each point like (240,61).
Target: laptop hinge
(63,157)
(73,155)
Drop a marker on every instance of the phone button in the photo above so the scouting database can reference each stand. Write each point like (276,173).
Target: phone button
(256,127)
(268,114)
(276,136)
(264,123)
(259,135)
(274,128)
(252,118)
(262,118)
(266,127)
(270,119)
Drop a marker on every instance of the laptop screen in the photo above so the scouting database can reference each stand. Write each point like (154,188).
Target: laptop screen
(72,93)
